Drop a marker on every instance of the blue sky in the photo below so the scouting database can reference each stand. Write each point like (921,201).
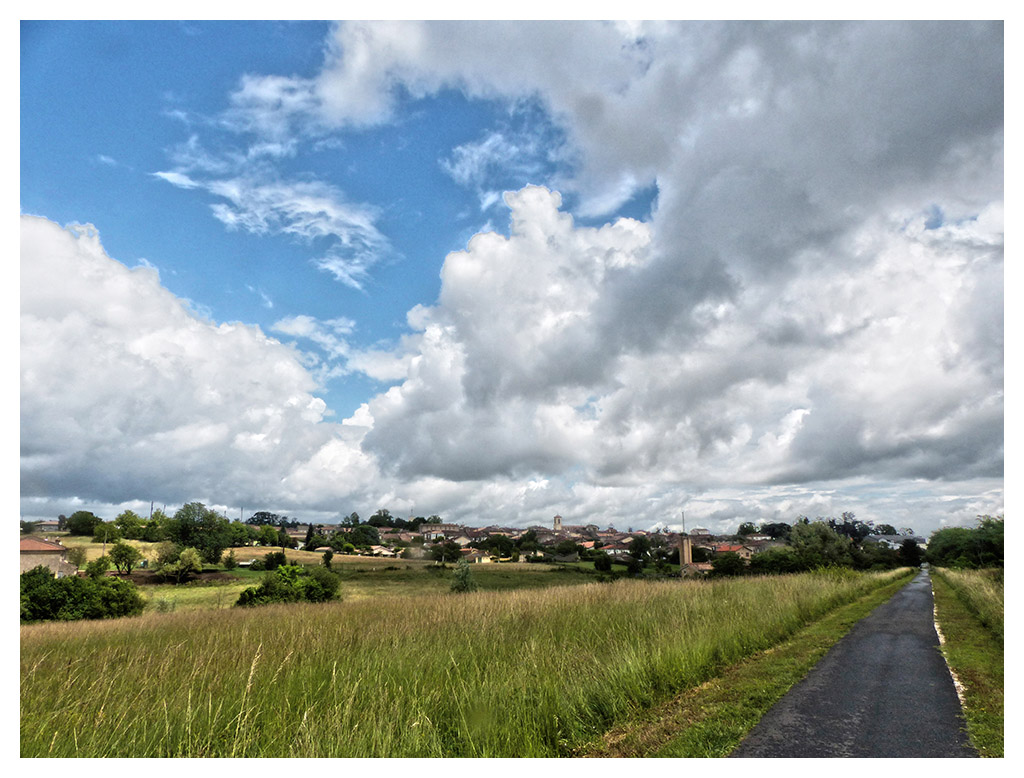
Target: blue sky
(499,271)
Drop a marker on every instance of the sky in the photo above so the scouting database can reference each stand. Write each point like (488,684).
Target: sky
(499,271)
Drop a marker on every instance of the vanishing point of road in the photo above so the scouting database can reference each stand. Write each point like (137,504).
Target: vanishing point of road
(882,691)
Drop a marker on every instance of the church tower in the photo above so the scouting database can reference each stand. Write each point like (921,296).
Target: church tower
(558,524)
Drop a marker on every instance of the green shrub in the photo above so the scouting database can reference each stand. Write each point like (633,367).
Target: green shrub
(781,559)
(183,566)
(462,580)
(728,563)
(274,560)
(319,584)
(98,567)
(46,598)
(292,583)
(125,557)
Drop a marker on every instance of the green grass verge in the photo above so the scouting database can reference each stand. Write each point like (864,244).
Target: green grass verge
(711,719)
(975,655)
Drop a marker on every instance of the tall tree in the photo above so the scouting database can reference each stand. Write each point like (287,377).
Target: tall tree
(82,523)
(849,526)
(778,530)
(981,546)
(816,545)
(130,524)
(196,526)
(382,518)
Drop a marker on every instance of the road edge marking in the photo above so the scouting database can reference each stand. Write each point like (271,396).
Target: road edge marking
(942,642)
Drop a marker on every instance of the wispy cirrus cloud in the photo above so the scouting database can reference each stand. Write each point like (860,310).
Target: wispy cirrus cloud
(253,198)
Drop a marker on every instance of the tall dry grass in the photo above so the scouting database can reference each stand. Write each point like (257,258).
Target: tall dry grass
(981,591)
(526,673)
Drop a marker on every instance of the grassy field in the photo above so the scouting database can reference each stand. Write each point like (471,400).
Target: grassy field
(969,611)
(362,578)
(529,672)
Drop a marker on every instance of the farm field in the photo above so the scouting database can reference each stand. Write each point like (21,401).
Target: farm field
(524,672)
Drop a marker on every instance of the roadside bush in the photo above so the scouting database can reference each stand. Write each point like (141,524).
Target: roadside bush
(47,598)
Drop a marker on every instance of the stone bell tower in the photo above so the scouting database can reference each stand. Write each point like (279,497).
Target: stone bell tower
(558,524)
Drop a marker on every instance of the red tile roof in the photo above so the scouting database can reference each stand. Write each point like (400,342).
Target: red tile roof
(38,544)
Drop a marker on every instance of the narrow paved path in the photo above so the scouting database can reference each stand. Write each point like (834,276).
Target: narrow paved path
(882,691)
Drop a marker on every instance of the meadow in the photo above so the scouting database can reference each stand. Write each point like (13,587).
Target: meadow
(523,672)
(361,578)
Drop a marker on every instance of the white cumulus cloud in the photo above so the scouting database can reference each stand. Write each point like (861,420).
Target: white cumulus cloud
(125,394)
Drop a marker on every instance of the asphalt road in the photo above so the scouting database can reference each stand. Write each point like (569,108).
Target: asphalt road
(882,691)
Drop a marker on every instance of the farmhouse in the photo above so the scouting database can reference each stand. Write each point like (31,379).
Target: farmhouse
(36,551)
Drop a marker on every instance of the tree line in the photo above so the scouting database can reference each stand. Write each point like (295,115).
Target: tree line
(196,526)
